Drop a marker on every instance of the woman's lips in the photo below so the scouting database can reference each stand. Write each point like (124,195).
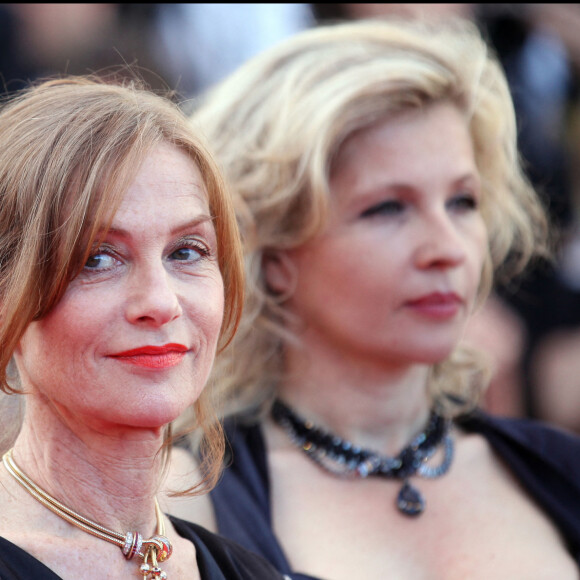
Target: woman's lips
(437,305)
(155,357)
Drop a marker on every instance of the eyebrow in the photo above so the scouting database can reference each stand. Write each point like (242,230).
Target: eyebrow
(187,225)
(469,178)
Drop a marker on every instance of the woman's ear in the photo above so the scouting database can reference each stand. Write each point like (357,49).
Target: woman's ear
(280,273)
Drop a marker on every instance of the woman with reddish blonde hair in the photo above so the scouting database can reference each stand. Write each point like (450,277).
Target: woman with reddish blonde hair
(120,278)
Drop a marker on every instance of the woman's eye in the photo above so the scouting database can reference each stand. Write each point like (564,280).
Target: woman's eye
(100,261)
(190,253)
(465,202)
(390,207)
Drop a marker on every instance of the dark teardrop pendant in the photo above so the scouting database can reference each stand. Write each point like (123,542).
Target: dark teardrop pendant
(410,501)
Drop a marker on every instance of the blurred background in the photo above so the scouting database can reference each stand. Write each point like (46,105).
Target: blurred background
(531,326)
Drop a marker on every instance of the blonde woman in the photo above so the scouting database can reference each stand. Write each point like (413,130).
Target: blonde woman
(379,189)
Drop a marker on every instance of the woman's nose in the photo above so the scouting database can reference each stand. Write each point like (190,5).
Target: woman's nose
(440,244)
(152,298)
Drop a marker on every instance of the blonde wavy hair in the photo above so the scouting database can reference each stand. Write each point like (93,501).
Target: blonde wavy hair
(276,125)
(69,149)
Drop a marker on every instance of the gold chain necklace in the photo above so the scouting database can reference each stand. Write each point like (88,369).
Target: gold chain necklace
(155,550)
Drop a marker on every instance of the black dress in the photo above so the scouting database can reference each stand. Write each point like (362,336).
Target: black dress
(546,461)
(217,559)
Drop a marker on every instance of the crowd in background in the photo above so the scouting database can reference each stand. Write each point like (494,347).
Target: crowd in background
(531,326)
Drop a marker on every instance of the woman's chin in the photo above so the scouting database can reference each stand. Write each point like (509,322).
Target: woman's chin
(153,419)
(431,356)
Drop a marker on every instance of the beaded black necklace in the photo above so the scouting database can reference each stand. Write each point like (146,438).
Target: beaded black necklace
(341,457)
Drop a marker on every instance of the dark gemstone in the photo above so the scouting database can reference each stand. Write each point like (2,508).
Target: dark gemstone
(409,463)
(410,501)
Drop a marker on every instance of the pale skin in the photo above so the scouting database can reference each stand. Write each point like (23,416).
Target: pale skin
(94,422)
(405,223)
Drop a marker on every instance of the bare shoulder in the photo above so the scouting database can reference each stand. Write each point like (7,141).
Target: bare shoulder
(183,473)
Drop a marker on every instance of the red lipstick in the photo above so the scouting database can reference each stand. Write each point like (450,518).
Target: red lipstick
(155,357)
(437,305)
